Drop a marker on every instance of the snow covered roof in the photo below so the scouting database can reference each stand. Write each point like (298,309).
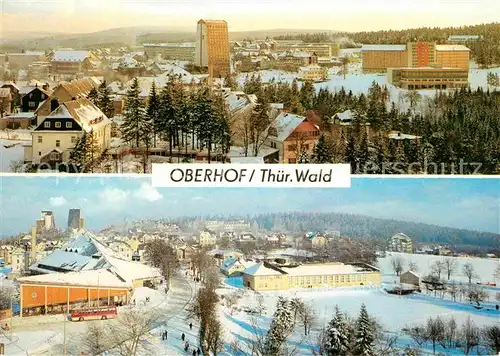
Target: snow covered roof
(452,48)
(70,56)
(285,124)
(261,269)
(5,92)
(171,45)
(383,48)
(89,116)
(464,37)
(412,273)
(310,68)
(21,115)
(400,235)
(247,160)
(92,278)
(239,152)
(230,262)
(347,115)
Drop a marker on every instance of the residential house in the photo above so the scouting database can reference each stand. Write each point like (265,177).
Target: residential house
(410,277)
(123,249)
(315,240)
(54,137)
(33,98)
(265,276)
(22,120)
(400,243)
(207,238)
(69,62)
(235,266)
(222,255)
(64,92)
(293,135)
(6,253)
(5,102)
(20,258)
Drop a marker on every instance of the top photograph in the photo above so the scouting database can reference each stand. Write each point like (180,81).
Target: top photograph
(389,87)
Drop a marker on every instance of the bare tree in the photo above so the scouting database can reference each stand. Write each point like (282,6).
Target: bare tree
(436,332)
(450,265)
(213,277)
(261,306)
(491,336)
(418,334)
(95,341)
(437,268)
(214,342)
(129,333)
(453,291)
(161,255)
(200,262)
(397,264)
(413,266)
(496,273)
(307,318)
(451,332)
(469,336)
(476,294)
(469,271)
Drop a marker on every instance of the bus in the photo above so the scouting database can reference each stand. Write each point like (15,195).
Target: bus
(101,313)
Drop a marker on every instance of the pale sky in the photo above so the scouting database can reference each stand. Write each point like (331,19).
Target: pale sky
(72,16)
(459,203)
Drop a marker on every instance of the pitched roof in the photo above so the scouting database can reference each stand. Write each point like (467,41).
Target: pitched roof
(285,124)
(83,111)
(5,93)
(262,269)
(95,278)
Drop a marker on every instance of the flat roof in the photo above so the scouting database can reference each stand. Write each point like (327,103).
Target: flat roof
(458,48)
(383,48)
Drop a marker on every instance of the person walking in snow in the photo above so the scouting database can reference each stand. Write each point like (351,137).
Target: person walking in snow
(163,336)
(198,352)
(183,337)
(190,326)
(166,334)
(194,352)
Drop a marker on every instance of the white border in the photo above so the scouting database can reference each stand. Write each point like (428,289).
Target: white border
(149,175)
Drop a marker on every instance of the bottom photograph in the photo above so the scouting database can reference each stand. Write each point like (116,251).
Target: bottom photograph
(115,266)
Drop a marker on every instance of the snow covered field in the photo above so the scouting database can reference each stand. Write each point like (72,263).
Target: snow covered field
(10,154)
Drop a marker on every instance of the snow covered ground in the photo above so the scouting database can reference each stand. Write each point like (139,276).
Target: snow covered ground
(10,154)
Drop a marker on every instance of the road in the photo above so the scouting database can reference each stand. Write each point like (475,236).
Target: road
(44,335)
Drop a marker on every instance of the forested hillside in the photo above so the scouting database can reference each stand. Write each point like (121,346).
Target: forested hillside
(368,227)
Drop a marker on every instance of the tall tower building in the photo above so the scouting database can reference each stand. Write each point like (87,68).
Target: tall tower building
(74,219)
(48,219)
(212,47)
(421,54)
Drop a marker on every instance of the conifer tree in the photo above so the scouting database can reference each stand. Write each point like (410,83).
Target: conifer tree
(338,336)
(259,123)
(229,82)
(322,151)
(133,115)
(153,111)
(93,96)
(104,101)
(91,150)
(303,156)
(307,95)
(280,328)
(364,341)
(78,154)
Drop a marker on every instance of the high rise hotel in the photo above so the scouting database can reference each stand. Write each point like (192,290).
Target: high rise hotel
(212,47)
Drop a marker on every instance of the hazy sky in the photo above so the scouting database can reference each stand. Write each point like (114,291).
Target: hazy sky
(347,15)
(461,203)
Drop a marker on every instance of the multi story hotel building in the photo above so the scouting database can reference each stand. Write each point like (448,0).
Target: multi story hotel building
(212,47)
(174,51)
(428,78)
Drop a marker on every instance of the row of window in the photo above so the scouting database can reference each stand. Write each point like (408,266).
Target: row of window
(58,142)
(58,124)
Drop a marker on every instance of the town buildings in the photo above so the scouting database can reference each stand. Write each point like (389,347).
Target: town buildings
(56,135)
(400,243)
(33,98)
(174,51)
(75,220)
(69,62)
(313,72)
(212,47)
(292,134)
(428,78)
(265,276)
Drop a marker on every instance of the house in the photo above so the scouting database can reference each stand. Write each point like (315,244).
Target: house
(265,276)
(235,266)
(69,62)
(222,255)
(293,135)
(32,99)
(315,240)
(54,137)
(64,92)
(22,120)
(409,277)
(207,238)
(6,253)
(123,249)
(20,258)
(400,243)
(5,101)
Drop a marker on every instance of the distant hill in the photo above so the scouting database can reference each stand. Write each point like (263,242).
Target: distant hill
(127,36)
(370,227)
